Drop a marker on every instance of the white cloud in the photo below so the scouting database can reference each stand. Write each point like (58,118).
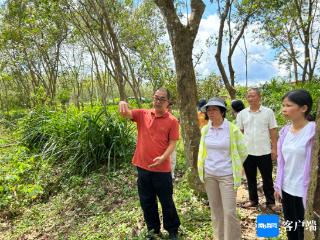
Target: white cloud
(261,63)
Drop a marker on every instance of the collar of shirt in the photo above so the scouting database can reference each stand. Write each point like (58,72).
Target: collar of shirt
(222,126)
(259,110)
(153,113)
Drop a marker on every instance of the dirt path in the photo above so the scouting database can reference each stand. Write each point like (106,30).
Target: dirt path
(248,216)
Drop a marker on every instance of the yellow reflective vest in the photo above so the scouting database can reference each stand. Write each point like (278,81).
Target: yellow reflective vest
(238,151)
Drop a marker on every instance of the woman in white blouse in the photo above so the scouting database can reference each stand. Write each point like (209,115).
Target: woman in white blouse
(294,160)
(222,151)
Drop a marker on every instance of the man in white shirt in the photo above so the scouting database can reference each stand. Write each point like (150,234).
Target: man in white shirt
(259,126)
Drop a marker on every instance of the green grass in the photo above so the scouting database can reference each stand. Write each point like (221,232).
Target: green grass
(101,207)
(105,205)
(58,185)
(85,140)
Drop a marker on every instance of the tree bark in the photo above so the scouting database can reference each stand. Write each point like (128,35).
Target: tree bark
(182,39)
(223,17)
(246,59)
(313,200)
(293,52)
(306,30)
(115,52)
(99,77)
(106,41)
(232,46)
(130,72)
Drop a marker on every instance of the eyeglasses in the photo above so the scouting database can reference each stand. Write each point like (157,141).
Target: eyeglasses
(161,99)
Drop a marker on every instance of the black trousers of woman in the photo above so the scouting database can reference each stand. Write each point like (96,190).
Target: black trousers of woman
(293,211)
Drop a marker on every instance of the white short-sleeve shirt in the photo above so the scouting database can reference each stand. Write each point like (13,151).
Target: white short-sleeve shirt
(217,141)
(256,126)
(294,155)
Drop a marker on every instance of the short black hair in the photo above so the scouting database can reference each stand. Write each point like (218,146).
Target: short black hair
(222,110)
(300,97)
(201,103)
(237,105)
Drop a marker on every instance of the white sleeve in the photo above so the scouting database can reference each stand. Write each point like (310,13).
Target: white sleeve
(272,120)
(239,121)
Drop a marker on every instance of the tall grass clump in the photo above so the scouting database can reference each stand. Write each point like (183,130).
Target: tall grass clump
(84,140)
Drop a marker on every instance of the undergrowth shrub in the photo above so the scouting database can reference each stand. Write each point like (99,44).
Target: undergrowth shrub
(85,140)
(19,177)
(273,91)
(9,119)
(276,89)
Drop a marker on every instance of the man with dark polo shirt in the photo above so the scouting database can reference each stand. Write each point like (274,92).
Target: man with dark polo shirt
(158,132)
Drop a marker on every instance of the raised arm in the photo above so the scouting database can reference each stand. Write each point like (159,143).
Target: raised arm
(124,110)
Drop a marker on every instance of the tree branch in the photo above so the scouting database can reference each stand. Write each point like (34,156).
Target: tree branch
(197,9)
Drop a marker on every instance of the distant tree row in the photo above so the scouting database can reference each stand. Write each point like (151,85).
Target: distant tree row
(97,50)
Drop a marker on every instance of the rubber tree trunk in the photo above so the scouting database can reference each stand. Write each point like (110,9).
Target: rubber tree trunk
(182,39)
(313,199)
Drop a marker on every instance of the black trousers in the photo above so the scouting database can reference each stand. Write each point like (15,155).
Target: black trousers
(264,163)
(150,186)
(293,212)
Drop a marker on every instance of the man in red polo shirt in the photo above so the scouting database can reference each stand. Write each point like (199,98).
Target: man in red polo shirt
(158,132)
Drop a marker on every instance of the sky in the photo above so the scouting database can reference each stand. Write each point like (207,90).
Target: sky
(262,65)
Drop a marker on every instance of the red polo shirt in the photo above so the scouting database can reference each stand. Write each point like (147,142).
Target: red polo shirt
(154,134)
